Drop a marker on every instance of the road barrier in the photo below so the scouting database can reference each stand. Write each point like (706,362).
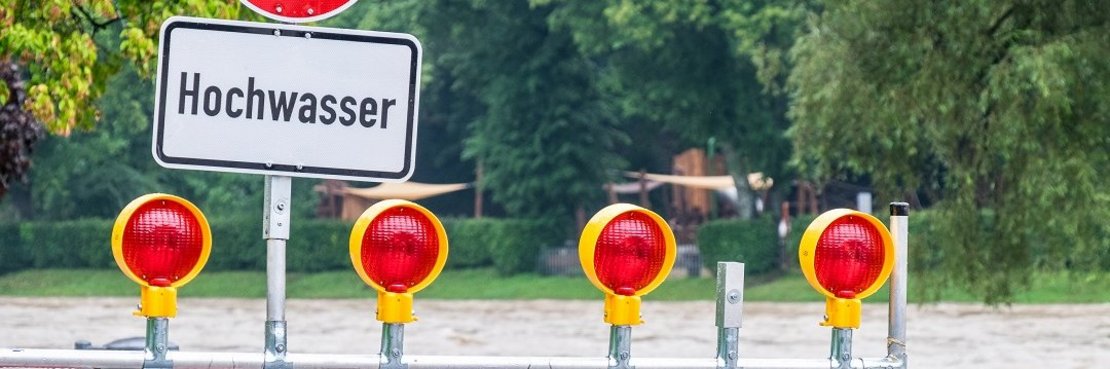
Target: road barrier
(397,247)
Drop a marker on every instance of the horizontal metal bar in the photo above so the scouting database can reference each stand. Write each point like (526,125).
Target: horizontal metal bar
(37,358)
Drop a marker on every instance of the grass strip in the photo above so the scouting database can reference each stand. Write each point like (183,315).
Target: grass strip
(1060,287)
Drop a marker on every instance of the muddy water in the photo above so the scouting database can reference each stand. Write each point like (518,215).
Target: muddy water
(944,335)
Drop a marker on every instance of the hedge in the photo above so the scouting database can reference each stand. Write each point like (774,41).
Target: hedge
(11,250)
(510,246)
(516,244)
(469,242)
(798,226)
(753,242)
(732,240)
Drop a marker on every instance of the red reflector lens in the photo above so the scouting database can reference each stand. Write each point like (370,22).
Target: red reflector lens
(400,248)
(162,242)
(629,253)
(298,9)
(849,256)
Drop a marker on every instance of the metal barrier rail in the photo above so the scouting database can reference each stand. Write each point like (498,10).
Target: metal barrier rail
(217,360)
(729,322)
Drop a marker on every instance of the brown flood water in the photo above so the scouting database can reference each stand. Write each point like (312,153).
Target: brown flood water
(942,335)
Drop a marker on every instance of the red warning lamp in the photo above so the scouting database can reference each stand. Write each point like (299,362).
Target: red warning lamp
(846,255)
(626,251)
(398,248)
(630,253)
(298,11)
(161,242)
(850,256)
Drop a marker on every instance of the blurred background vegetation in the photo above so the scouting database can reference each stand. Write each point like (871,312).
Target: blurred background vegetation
(993,117)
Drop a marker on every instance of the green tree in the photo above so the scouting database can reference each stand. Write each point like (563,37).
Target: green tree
(996,109)
(53,40)
(527,98)
(448,105)
(94,173)
(697,69)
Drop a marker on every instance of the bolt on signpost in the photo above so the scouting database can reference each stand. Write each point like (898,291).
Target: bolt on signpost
(626,252)
(161,242)
(398,248)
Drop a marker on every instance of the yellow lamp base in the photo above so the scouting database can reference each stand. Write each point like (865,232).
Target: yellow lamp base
(622,310)
(158,302)
(842,313)
(395,307)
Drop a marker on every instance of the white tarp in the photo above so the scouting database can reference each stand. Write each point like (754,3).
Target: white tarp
(756,180)
(407,190)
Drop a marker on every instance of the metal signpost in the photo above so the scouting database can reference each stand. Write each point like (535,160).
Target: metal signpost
(283,101)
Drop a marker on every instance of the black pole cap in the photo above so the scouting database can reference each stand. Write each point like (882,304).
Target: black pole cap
(900,209)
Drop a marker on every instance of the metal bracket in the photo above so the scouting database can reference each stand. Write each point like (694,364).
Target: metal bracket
(275,222)
(840,352)
(157,344)
(393,346)
(276,346)
(620,347)
(730,312)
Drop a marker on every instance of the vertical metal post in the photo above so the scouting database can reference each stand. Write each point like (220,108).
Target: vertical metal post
(620,346)
(275,229)
(157,343)
(896,326)
(840,353)
(393,346)
(730,312)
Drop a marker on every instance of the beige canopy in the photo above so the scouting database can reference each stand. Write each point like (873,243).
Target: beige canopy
(349,202)
(631,187)
(756,180)
(407,190)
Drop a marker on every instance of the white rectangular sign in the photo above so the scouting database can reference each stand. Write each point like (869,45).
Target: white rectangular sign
(261,98)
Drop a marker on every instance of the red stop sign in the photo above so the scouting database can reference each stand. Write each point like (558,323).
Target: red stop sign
(298,11)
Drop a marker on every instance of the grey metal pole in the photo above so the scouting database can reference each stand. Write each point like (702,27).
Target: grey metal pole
(393,346)
(157,343)
(275,230)
(730,310)
(896,325)
(37,358)
(840,354)
(620,346)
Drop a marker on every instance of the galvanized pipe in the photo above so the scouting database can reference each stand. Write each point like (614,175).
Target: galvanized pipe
(275,230)
(840,354)
(728,351)
(393,346)
(157,344)
(275,280)
(35,358)
(620,347)
(896,325)
(275,349)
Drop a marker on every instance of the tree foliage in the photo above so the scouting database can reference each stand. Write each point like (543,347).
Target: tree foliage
(19,131)
(698,69)
(53,40)
(996,109)
(528,100)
